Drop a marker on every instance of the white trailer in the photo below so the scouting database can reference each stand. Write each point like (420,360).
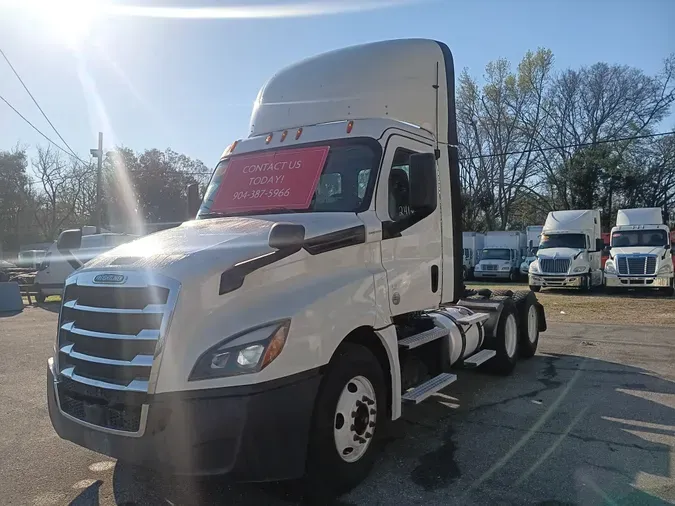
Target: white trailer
(473,243)
(640,251)
(570,250)
(533,234)
(501,256)
(318,290)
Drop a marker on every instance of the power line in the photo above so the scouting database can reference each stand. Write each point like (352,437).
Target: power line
(569,146)
(36,102)
(40,132)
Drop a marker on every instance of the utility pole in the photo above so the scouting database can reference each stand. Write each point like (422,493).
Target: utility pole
(98,154)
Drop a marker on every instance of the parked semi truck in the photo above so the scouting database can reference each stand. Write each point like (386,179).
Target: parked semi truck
(501,256)
(533,234)
(317,292)
(641,251)
(569,251)
(473,246)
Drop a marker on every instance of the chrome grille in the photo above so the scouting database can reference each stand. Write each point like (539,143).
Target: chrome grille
(490,267)
(636,265)
(107,340)
(554,265)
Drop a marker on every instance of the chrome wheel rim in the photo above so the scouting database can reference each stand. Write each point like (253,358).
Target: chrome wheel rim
(355,419)
(532,325)
(510,335)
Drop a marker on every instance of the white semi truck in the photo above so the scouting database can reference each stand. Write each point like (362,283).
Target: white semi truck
(501,256)
(569,253)
(473,246)
(533,234)
(318,290)
(640,251)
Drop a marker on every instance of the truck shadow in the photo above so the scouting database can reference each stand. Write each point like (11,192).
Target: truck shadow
(562,429)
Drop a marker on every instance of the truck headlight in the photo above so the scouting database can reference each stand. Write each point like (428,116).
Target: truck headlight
(666,269)
(579,269)
(609,267)
(534,267)
(477,268)
(505,268)
(244,353)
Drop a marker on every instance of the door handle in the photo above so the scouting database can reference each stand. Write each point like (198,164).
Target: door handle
(434,278)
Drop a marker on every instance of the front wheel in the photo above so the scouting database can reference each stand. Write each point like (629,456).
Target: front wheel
(40,297)
(348,417)
(669,291)
(535,288)
(513,276)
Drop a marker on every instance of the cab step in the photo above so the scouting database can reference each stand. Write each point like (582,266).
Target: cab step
(423,338)
(479,358)
(428,388)
(472,319)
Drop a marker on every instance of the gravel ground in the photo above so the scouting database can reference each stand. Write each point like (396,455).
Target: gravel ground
(629,308)
(589,420)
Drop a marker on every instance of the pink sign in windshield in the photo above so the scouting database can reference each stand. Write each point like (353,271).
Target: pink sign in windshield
(271,180)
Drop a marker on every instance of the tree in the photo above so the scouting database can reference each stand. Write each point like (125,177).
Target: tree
(150,187)
(16,200)
(59,184)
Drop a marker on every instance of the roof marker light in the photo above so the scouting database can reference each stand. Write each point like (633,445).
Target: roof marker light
(283,135)
(298,134)
(350,125)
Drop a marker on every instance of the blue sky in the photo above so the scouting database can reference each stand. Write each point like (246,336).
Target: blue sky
(189,84)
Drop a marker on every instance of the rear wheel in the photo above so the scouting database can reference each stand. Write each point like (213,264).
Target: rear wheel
(40,297)
(506,340)
(535,288)
(529,326)
(348,417)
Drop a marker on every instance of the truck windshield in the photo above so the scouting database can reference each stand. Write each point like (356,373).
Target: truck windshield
(333,176)
(575,241)
(628,238)
(496,254)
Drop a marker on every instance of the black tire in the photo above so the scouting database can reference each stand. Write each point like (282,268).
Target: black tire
(503,363)
(526,303)
(535,288)
(586,283)
(465,273)
(513,277)
(40,297)
(328,475)
(669,292)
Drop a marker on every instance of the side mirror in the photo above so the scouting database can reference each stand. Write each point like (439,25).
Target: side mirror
(423,191)
(287,236)
(69,240)
(599,245)
(193,200)
(667,246)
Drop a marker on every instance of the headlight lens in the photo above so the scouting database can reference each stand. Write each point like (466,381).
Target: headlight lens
(581,268)
(534,267)
(505,268)
(477,268)
(245,353)
(666,269)
(609,267)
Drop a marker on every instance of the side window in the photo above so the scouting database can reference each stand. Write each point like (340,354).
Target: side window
(399,185)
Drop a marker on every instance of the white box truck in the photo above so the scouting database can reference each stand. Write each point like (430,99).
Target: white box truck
(569,251)
(473,245)
(533,234)
(501,256)
(640,251)
(318,290)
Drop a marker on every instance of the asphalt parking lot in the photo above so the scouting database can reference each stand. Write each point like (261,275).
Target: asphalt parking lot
(589,420)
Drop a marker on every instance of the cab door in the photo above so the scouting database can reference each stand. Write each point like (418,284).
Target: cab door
(411,238)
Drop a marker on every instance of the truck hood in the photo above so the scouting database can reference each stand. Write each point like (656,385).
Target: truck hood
(214,244)
(558,253)
(638,250)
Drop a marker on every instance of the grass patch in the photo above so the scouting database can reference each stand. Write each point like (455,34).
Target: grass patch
(629,308)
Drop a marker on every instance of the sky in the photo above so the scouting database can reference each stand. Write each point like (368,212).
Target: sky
(189,84)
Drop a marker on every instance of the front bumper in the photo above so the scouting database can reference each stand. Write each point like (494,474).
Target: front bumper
(251,433)
(637,281)
(492,274)
(551,281)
